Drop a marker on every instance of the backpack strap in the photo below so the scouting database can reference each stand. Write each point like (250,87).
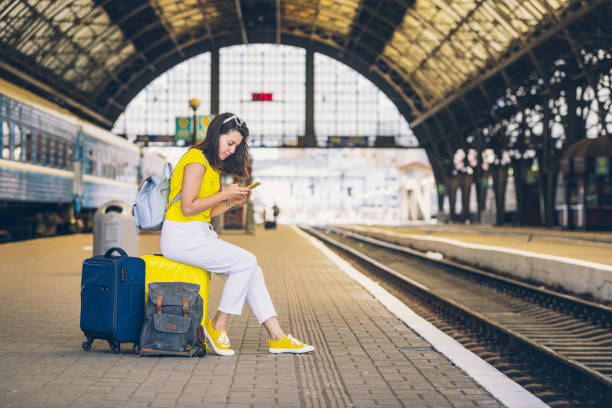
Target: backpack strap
(168,169)
(158,302)
(186,307)
(167,172)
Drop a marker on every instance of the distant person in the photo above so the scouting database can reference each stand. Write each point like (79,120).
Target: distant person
(275,212)
(187,235)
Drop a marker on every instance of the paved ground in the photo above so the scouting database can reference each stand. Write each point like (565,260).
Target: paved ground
(586,246)
(365,356)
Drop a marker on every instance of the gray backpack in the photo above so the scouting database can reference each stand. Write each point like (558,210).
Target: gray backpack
(173,325)
(151,202)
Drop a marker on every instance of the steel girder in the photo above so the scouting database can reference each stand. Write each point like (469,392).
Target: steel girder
(432,58)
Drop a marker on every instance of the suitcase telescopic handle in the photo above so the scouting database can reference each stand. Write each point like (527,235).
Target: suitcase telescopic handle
(111,250)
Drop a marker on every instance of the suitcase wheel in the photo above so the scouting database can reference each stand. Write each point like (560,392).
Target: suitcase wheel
(115,346)
(87,344)
(136,349)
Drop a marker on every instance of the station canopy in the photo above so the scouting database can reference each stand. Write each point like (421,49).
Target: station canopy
(94,56)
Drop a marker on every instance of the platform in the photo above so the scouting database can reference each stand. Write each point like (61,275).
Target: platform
(582,245)
(365,355)
(577,262)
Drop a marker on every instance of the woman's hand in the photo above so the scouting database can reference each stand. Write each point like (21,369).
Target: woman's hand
(237,201)
(236,194)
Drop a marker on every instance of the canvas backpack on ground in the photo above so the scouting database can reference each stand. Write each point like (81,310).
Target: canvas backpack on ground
(152,201)
(173,325)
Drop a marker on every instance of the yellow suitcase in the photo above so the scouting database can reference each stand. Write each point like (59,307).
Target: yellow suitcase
(160,269)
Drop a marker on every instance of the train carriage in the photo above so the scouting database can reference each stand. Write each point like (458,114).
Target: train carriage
(56,169)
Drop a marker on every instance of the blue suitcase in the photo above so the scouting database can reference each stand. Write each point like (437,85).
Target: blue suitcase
(112,293)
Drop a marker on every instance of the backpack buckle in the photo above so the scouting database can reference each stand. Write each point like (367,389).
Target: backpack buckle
(186,307)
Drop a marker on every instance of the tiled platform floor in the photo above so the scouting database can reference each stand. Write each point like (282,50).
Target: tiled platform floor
(365,356)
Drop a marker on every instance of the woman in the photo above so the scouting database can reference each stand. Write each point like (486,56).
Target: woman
(188,237)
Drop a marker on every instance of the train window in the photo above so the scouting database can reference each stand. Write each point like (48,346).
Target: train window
(18,153)
(55,153)
(89,165)
(63,164)
(48,151)
(68,157)
(38,148)
(6,140)
(28,145)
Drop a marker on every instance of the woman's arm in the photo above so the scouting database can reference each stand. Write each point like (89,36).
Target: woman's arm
(192,204)
(222,207)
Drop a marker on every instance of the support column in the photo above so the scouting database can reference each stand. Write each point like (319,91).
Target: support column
(309,139)
(520,185)
(214,81)
(466,193)
(217,222)
(500,178)
(549,168)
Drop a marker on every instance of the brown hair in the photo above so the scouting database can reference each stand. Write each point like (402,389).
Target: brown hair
(239,163)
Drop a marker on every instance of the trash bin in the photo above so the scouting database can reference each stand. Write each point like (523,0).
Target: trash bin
(115,226)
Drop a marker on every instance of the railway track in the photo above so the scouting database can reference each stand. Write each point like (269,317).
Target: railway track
(557,346)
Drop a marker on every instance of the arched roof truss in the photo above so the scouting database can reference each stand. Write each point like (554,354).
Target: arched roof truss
(445,63)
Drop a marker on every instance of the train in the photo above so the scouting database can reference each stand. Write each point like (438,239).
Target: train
(56,169)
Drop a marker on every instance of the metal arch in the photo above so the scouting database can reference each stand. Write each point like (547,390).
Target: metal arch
(397,88)
(229,39)
(127,84)
(460,134)
(444,135)
(145,76)
(330,32)
(405,90)
(446,169)
(432,142)
(140,54)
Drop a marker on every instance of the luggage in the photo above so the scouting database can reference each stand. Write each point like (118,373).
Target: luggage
(270,225)
(172,328)
(160,269)
(112,289)
(152,201)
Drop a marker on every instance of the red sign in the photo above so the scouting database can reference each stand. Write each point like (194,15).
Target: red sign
(262,96)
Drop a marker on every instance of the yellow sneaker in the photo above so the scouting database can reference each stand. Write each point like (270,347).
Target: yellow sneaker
(289,344)
(218,340)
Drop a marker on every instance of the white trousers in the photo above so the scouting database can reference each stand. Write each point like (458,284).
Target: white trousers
(196,243)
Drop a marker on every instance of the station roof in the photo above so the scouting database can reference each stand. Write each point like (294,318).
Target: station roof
(96,55)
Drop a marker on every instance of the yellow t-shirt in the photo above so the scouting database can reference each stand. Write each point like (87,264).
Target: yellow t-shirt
(210,186)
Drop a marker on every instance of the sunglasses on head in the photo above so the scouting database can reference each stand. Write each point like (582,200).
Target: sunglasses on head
(237,119)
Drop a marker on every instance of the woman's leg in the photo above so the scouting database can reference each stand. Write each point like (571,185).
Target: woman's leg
(220,321)
(274,330)
(236,265)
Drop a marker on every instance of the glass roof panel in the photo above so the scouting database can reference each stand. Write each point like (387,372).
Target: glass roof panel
(464,34)
(182,15)
(339,13)
(438,46)
(298,11)
(331,15)
(71,38)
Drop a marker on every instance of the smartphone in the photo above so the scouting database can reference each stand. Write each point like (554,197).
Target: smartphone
(255,184)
